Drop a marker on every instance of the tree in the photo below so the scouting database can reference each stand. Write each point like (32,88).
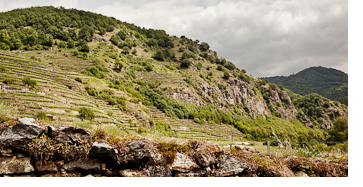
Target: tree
(159,55)
(185,63)
(30,82)
(86,113)
(339,132)
(204,46)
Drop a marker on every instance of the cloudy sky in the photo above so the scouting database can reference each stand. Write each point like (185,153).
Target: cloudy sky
(264,37)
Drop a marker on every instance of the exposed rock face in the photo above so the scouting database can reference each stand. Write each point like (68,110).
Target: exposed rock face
(70,135)
(14,165)
(183,163)
(236,92)
(19,135)
(282,104)
(186,95)
(230,165)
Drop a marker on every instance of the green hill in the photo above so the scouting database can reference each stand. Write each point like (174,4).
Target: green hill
(85,69)
(328,82)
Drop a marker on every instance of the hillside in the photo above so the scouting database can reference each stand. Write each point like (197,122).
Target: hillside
(83,69)
(327,82)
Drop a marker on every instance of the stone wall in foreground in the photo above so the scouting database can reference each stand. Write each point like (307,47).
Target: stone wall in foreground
(28,148)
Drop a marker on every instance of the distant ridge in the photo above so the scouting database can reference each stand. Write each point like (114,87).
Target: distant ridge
(328,82)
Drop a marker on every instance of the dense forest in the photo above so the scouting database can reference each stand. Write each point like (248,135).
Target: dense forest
(328,82)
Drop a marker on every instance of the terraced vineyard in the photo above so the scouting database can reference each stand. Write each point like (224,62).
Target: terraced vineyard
(59,95)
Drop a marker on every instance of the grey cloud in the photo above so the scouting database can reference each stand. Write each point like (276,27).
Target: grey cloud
(264,37)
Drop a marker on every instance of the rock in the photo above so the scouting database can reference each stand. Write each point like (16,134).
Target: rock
(157,171)
(157,159)
(102,151)
(89,175)
(131,173)
(13,165)
(206,152)
(199,173)
(19,135)
(135,153)
(300,174)
(70,135)
(246,149)
(83,166)
(183,163)
(230,165)
(7,152)
(48,167)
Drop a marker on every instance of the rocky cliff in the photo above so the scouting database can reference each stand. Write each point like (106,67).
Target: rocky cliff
(31,148)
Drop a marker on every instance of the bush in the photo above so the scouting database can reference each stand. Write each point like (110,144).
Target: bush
(199,66)
(9,81)
(226,75)
(78,79)
(41,115)
(185,63)
(30,82)
(2,68)
(86,113)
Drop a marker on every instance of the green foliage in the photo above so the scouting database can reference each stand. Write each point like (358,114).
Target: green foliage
(199,66)
(9,81)
(327,82)
(91,91)
(181,49)
(30,82)
(339,131)
(2,68)
(226,75)
(95,71)
(78,79)
(41,115)
(204,46)
(185,63)
(86,114)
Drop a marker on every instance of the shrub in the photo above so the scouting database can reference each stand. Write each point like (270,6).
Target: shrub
(185,63)
(86,113)
(30,82)
(9,81)
(159,55)
(199,66)
(41,115)
(2,68)
(204,46)
(78,79)
(181,49)
(226,75)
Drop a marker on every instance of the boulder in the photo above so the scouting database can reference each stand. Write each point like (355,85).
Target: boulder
(230,165)
(206,152)
(183,163)
(13,165)
(19,135)
(83,166)
(102,151)
(135,153)
(70,135)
